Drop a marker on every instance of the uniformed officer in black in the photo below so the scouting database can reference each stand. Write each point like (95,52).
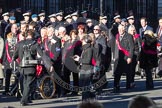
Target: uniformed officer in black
(68,24)
(4,23)
(52,20)
(41,22)
(26,17)
(12,20)
(59,17)
(28,71)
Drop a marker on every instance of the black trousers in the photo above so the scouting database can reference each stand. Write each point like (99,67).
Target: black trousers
(66,77)
(8,72)
(122,67)
(85,81)
(28,80)
(133,68)
(57,68)
(149,79)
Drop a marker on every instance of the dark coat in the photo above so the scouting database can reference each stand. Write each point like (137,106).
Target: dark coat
(127,44)
(19,53)
(137,45)
(54,49)
(148,56)
(86,57)
(3,26)
(102,41)
(70,49)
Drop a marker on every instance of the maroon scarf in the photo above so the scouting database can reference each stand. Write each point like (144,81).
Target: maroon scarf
(153,52)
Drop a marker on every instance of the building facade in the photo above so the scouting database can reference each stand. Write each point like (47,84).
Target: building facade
(147,8)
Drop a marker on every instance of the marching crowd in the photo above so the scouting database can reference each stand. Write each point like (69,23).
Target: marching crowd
(79,46)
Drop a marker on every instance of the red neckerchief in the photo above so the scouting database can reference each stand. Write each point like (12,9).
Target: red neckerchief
(121,48)
(148,51)
(136,36)
(47,49)
(8,55)
(72,46)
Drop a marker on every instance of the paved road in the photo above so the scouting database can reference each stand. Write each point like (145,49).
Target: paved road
(109,99)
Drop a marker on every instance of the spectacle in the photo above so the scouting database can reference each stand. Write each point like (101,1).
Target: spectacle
(96,29)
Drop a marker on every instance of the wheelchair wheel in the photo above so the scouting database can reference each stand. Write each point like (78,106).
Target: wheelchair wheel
(47,87)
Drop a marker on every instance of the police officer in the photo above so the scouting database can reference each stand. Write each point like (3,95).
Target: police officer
(41,22)
(68,24)
(12,20)
(59,17)
(52,20)
(27,69)
(75,19)
(4,23)
(26,17)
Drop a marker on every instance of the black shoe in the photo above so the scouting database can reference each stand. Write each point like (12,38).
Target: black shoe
(74,93)
(30,101)
(150,87)
(116,89)
(23,104)
(6,93)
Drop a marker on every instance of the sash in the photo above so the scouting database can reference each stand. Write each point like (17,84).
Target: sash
(148,51)
(121,48)
(47,49)
(8,55)
(72,47)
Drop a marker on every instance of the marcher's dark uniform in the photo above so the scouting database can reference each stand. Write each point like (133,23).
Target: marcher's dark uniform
(53,50)
(113,32)
(41,25)
(7,59)
(3,26)
(54,24)
(90,29)
(101,40)
(121,56)
(7,30)
(107,59)
(28,71)
(68,27)
(70,49)
(148,57)
(85,70)
(75,24)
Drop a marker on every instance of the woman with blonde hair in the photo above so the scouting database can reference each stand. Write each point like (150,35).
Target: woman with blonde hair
(137,48)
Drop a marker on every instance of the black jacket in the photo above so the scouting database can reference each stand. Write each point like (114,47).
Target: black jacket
(86,57)
(19,53)
(126,43)
(55,49)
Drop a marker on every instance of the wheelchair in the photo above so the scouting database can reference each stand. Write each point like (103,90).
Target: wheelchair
(44,86)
